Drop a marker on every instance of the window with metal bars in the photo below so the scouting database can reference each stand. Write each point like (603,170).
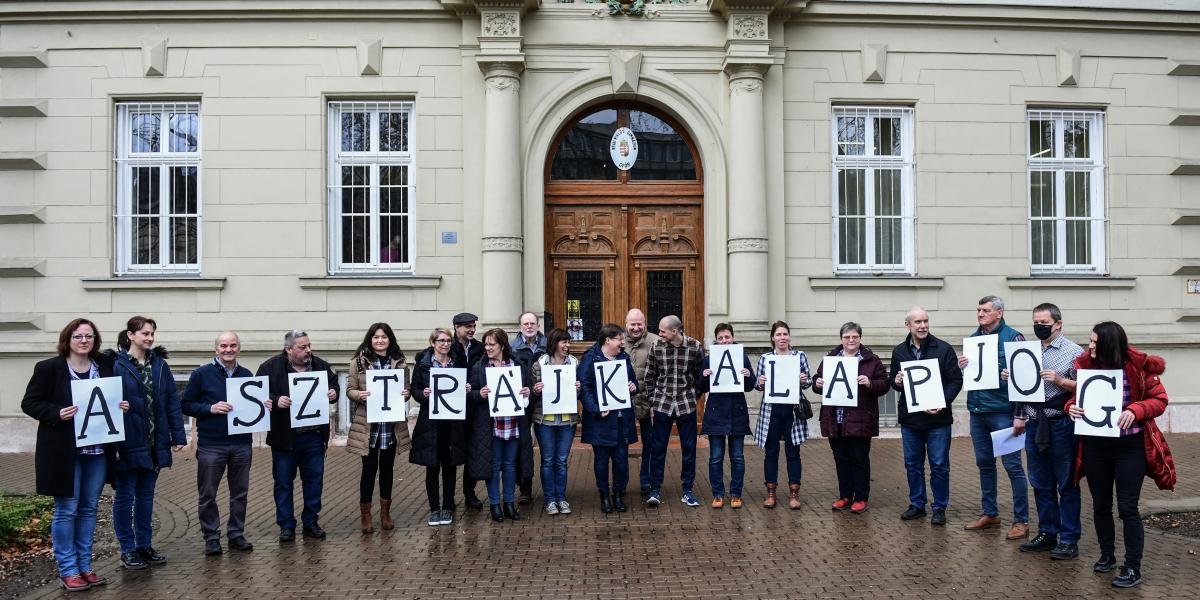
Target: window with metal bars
(158,188)
(1066,191)
(873,197)
(371,187)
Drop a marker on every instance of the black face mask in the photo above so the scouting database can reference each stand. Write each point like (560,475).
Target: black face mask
(1043,332)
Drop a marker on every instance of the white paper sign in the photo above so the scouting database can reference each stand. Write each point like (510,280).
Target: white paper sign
(923,385)
(840,375)
(99,419)
(1004,442)
(309,392)
(448,394)
(558,390)
(1099,393)
(386,404)
(249,396)
(726,363)
(1025,371)
(983,360)
(612,385)
(504,392)
(783,379)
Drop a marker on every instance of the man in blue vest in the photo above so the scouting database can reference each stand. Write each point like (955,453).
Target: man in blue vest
(991,411)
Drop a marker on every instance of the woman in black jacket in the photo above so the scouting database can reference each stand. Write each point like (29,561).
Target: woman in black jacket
(74,476)
(439,445)
(153,428)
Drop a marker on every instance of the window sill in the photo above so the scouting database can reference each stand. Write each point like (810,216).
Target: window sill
(154,283)
(1071,281)
(370,281)
(859,281)
(1189,314)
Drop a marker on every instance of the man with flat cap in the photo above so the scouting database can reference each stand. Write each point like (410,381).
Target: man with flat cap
(467,351)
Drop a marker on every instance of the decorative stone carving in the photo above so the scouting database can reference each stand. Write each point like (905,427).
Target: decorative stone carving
(746,245)
(874,62)
(502,83)
(745,85)
(154,57)
(753,27)
(1068,66)
(626,69)
(370,57)
(501,24)
(502,244)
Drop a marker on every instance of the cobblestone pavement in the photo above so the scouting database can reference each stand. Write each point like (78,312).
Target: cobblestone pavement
(669,552)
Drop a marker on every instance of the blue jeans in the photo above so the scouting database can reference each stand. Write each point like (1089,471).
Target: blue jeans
(504,463)
(619,457)
(74,522)
(687,442)
(780,429)
(982,426)
(1050,474)
(133,508)
(307,456)
(936,442)
(646,431)
(555,442)
(716,466)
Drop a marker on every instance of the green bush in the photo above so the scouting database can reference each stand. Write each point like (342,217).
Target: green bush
(23,518)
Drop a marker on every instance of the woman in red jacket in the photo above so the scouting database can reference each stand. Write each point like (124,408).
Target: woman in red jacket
(850,429)
(1124,461)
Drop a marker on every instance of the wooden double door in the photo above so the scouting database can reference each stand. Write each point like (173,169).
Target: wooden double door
(606,255)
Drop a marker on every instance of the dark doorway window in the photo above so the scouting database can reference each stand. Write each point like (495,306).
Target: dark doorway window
(664,296)
(583,151)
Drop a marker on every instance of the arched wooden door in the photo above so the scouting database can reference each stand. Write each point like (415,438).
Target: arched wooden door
(623,238)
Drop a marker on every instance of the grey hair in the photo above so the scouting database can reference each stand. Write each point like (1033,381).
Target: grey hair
(850,326)
(289,338)
(908,317)
(996,301)
(672,322)
(217,340)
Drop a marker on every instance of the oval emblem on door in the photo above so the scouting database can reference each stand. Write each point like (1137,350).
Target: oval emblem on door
(623,149)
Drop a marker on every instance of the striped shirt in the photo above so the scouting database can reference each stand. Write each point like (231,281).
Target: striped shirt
(799,431)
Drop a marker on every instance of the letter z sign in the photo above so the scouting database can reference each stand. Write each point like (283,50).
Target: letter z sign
(310,401)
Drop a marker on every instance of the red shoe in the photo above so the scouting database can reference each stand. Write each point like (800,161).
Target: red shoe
(859,507)
(75,583)
(841,504)
(93,579)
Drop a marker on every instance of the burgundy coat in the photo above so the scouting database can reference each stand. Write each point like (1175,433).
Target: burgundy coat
(863,420)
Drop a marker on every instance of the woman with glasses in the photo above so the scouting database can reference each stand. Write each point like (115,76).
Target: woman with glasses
(438,445)
(555,432)
(505,432)
(74,476)
(850,429)
(376,443)
(610,432)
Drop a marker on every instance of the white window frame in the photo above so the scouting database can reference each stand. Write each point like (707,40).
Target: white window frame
(870,162)
(1060,165)
(374,159)
(126,160)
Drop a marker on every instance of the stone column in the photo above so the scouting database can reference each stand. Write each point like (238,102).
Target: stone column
(747,244)
(503,243)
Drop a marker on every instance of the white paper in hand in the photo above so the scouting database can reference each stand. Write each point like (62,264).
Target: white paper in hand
(1004,442)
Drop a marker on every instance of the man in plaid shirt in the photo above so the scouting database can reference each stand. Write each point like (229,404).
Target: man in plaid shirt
(672,370)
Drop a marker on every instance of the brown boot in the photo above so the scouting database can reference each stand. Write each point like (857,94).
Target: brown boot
(365,510)
(770,501)
(385,515)
(794,496)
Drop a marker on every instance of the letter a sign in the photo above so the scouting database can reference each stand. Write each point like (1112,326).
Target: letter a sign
(504,391)
(725,360)
(1099,393)
(99,419)
(310,402)
(841,381)
(249,396)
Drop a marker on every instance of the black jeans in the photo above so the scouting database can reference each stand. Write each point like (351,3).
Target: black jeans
(852,457)
(444,470)
(380,461)
(1119,462)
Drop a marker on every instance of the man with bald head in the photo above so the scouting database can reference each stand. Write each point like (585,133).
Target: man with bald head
(216,450)
(637,346)
(926,432)
(672,372)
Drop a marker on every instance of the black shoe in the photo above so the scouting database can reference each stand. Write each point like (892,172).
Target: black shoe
(1128,577)
(314,531)
(152,556)
(287,535)
(912,513)
(605,503)
(618,502)
(645,491)
(1106,563)
(1040,543)
(510,511)
(497,515)
(938,518)
(133,560)
(240,544)
(1065,552)
(526,496)
(212,547)
(473,502)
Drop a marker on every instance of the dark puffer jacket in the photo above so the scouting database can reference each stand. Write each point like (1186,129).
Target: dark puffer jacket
(136,451)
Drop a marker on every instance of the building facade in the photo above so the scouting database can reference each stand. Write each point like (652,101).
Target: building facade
(218,164)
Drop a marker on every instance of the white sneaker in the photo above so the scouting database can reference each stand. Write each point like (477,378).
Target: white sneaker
(564,507)
(552,508)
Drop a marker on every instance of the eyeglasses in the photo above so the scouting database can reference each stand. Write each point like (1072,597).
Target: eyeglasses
(851,337)
(441,341)
(83,337)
